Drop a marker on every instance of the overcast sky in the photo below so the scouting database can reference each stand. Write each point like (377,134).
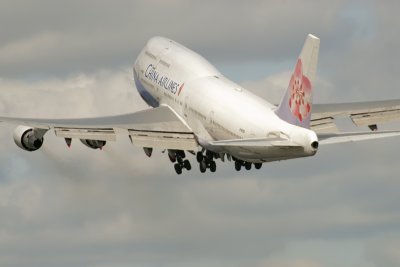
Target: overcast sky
(116,207)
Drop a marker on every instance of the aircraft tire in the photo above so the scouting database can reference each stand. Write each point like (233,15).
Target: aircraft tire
(213,166)
(199,157)
(178,168)
(238,165)
(203,167)
(247,165)
(257,165)
(186,164)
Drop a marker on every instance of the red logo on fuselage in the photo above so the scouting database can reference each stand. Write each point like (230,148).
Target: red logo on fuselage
(180,88)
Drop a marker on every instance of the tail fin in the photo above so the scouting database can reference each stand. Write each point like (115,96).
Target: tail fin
(296,104)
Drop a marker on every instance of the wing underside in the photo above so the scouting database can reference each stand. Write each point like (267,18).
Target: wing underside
(157,127)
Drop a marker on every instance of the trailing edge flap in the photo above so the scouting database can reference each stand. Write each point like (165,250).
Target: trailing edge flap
(325,139)
(256,142)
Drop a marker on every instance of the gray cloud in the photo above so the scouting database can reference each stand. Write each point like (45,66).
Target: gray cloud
(54,37)
(383,251)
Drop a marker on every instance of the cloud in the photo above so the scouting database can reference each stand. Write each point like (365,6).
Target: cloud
(56,38)
(383,251)
(294,263)
(102,93)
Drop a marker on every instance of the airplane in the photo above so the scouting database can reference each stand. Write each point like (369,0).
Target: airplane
(195,109)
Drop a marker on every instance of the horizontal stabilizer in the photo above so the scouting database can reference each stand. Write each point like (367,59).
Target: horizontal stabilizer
(335,138)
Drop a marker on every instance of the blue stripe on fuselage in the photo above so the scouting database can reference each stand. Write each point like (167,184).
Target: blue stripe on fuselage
(147,97)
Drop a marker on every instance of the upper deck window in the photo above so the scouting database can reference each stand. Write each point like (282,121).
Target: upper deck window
(147,53)
(164,63)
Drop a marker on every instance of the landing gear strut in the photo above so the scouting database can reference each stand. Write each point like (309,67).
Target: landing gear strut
(206,161)
(178,156)
(203,166)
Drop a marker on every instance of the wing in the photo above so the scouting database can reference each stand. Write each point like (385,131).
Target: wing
(158,127)
(361,114)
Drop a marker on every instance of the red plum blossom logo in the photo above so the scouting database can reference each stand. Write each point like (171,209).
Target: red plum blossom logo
(300,93)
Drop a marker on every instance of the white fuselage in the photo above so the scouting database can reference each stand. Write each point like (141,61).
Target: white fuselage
(215,108)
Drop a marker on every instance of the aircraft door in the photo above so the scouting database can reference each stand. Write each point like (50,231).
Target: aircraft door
(186,106)
(211,121)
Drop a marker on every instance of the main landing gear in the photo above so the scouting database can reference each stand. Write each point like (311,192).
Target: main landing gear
(178,157)
(247,165)
(206,161)
(205,158)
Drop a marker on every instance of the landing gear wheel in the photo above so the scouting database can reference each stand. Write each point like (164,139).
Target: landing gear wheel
(181,153)
(238,165)
(203,167)
(178,168)
(179,160)
(213,166)
(247,165)
(257,165)
(199,157)
(186,165)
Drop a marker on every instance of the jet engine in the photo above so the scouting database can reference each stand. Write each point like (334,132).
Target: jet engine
(28,138)
(95,144)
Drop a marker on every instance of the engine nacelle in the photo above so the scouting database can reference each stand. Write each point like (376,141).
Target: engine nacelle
(95,144)
(28,138)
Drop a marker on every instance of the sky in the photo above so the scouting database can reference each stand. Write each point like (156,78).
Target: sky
(116,207)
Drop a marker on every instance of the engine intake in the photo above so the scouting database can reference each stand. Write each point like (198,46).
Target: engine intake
(28,138)
(95,144)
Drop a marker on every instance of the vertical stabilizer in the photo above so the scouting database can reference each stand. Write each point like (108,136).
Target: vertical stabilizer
(296,104)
